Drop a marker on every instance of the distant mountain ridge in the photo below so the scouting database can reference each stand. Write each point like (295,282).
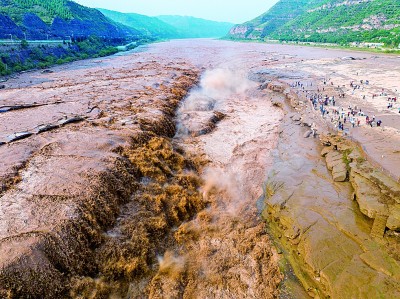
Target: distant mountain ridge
(191,27)
(40,19)
(170,26)
(333,21)
(44,19)
(149,26)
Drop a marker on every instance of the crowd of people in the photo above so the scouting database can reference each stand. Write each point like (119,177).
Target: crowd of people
(341,117)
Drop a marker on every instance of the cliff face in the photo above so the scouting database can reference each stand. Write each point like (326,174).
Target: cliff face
(281,13)
(336,21)
(41,20)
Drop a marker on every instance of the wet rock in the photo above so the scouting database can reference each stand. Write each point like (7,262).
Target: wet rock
(126,122)
(325,151)
(325,140)
(339,172)
(355,155)
(45,128)
(296,117)
(307,134)
(393,222)
(333,158)
(375,192)
(47,71)
(292,98)
(276,86)
(94,113)
(265,84)
(211,124)
(4,109)
(352,58)
(307,122)
(368,196)
(381,261)
(70,120)
(335,163)
(327,143)
(379,226)
(2,86)
(275,73)
(292,233)
(390,187)
(18,136)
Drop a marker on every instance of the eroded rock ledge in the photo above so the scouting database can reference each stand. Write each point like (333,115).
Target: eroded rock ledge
(377,194)
(333,242)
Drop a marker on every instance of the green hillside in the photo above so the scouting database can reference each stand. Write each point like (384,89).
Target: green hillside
(148,25)
(281,13)
(170,26)
(332,21)
(47,10)
(190,27)
(82,32)
(57,18)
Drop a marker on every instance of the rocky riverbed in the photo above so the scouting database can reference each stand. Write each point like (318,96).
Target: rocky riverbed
(138,176)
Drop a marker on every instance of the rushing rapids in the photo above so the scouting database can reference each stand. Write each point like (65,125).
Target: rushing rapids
(139,175)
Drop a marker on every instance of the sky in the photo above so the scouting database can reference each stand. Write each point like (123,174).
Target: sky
(234,11)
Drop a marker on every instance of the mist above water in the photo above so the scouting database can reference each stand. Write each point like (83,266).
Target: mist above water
(216,86)
(219,90)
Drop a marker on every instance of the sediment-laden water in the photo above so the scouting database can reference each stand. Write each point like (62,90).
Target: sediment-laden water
(138,176)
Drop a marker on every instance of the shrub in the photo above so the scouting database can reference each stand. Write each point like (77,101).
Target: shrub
(3,69)
(24,44)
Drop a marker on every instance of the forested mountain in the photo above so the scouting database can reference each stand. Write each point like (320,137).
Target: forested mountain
(170,26)
(40,19)
(85,32)
(46,10)
(149,26)
(267,23)
(333,21)
(190,27)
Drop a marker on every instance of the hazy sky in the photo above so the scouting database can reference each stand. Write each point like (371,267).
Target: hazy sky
(235,11)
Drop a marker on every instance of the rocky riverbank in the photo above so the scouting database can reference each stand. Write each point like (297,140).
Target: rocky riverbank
(333,213)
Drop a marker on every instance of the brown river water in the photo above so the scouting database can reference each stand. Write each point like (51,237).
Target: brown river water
(143,175)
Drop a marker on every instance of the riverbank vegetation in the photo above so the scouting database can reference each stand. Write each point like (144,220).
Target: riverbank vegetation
(24,57)
(363,47)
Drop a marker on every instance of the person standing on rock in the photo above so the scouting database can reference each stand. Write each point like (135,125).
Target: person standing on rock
(313,130)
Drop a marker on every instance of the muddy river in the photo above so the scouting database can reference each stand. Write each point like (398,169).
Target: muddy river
(181,170)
